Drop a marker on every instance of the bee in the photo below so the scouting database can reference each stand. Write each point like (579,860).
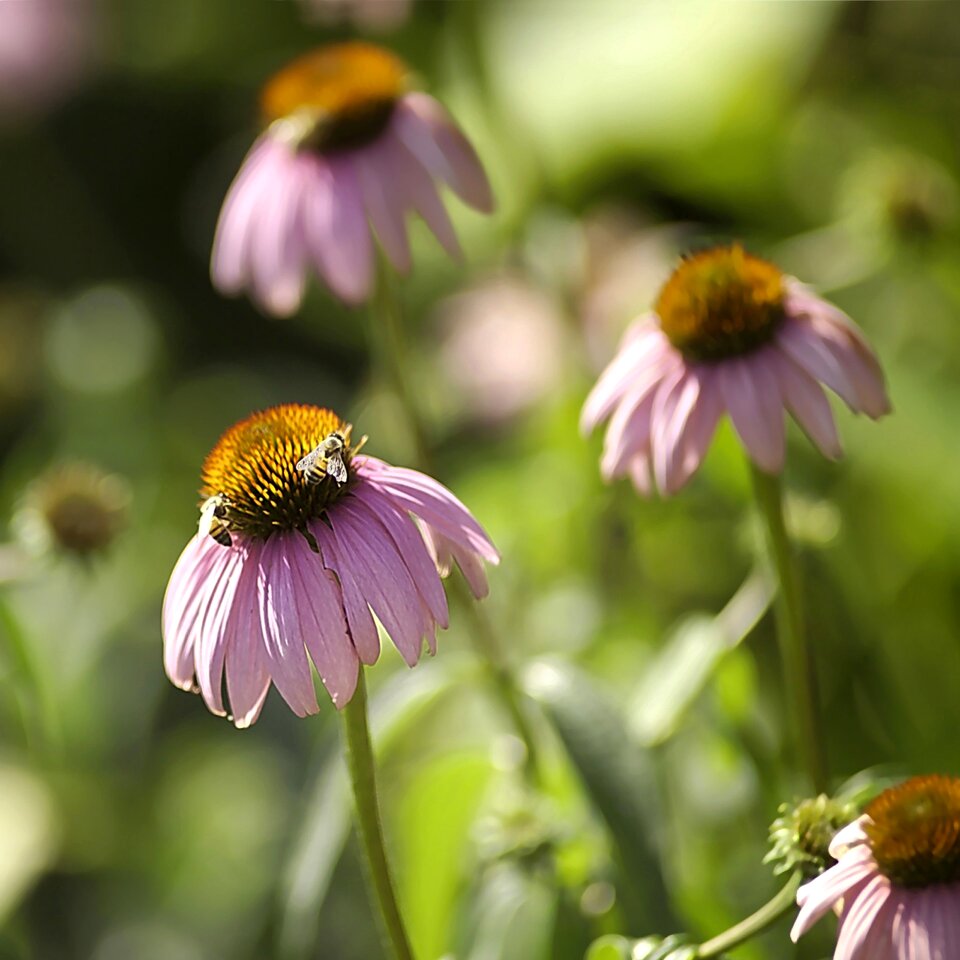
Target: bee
(325,460)
(213,519)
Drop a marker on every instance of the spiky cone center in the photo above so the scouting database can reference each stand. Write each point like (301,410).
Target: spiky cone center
(721,303)
(253,468)
(82,507)
(914,831)
(336,97)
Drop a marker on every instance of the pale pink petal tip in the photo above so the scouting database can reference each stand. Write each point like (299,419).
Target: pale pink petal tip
(259,613)
(663,408)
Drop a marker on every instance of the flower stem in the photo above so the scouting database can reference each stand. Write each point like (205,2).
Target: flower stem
(363,779)
(501,677)
(794,653)
(755,923)
(388,333)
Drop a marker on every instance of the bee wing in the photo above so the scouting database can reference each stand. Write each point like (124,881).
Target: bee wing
(336,468)
(308,462)
(207,512)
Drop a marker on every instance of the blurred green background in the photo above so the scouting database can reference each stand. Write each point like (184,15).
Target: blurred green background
(617,133)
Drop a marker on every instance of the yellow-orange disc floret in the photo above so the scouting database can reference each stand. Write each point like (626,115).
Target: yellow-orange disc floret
(254,468)
(347,92)
(721,303)
(914,831)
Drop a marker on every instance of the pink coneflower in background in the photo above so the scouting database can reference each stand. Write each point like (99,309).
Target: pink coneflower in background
(896,883)
(44,47)
(729,334)
(346,148)
(290,562)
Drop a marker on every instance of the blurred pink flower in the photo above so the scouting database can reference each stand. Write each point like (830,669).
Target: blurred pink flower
(503,347)
(285,565)
(896,883)
(372,14)
(44,45)
(729,334)
(347,149)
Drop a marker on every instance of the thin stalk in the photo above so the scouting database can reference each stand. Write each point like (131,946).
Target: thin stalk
(363,779)
(388,334)
(756,923)
(501,676)
(794,653)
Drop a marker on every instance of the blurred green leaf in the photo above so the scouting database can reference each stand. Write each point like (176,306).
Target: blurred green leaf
(610,947)
(511,916)
(616,774)
(432,841)
(318,844)
(688,659)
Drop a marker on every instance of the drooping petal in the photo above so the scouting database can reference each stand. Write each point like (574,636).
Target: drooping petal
(248,679)
(282,625)
(229,263)
(752,398)
(411,546)
(805,399)
(336,229)
(417,191)
(384,205)
(182,605)
(229,583)
(363,631)
(672,409)
(700,428)
(445,552)
(631,424)
(429,133)
(818,897)
(432,502)
(278,251)
(646,347)
(324,628)
(373,562)
(860,933)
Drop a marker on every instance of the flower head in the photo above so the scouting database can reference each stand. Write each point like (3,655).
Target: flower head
(896,884)
(801,835)
(301,542)
(729,334)
(75,509)
(347,147)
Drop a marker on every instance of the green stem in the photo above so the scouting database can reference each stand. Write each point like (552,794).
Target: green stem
(388,333)
(755,923)
(363,779)
(794,653)
(501,676)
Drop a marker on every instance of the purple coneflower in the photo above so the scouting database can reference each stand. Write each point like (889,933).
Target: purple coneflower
(896,883)
(290,562)
(347,147)
(729,334)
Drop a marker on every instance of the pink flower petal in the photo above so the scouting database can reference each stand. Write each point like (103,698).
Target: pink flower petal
(229,264)
(431,501)
(228,585)
(336,229)
(646,348)
(411,546)
(371,559)
(281,624)
(445,552)
(672,409)
(384,205)
(805,399)
(324,628)
(248,679)
(429,133)
(818,897)
(858,928)
(752,397)
(363,631)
